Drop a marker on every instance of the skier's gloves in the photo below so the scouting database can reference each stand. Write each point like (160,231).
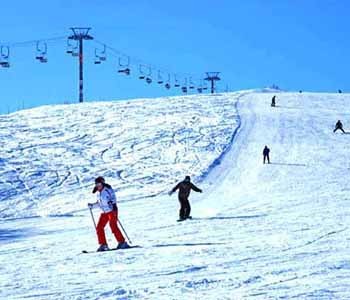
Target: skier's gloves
(170,193)
(90,205)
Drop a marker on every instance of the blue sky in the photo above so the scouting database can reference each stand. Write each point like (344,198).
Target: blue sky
(295,44)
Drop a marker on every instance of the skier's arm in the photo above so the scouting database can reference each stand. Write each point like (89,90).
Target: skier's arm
(93,205)
(174,189)
(196,189)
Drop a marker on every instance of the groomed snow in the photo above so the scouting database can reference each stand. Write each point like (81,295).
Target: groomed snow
(259,231)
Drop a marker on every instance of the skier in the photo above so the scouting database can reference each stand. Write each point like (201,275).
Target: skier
(273,101)
(107,202)
(266,154)
(339,125)
(185,188)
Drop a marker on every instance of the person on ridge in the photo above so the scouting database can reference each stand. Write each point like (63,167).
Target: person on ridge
(107,202)
(185,188)
(339,125)
(273,101)
(266,154)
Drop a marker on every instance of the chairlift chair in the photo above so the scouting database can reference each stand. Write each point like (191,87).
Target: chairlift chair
(184,86)
(200,87)
(69,47)
(124,67)
(176,84)
(167,85)
(41,51)
(160,80)
(102,55)
(191,84)
(4,56)
(97,58)
(144,75)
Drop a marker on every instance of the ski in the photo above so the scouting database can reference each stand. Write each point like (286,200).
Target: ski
(109,250)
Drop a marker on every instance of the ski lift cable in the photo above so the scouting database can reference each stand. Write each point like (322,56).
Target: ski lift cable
(34,42)
(133,61)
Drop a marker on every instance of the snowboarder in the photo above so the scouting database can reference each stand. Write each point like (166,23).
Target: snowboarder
(185,188)
(273,101)
(339,125)
(107,202)
(266,154)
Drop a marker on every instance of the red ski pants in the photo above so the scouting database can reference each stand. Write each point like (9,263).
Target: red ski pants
(112,218)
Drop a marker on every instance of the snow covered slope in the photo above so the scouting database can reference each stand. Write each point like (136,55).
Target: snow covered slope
(259,231)
(52,154)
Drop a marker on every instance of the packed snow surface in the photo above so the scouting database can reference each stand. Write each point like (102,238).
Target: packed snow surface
(277,231)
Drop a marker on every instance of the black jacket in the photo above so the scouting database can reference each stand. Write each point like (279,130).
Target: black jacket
(185,188)
(266,151)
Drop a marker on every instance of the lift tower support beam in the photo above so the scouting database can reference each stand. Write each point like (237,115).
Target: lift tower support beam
(80,34)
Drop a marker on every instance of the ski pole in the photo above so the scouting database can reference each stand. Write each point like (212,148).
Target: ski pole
(93,219)
(121,226)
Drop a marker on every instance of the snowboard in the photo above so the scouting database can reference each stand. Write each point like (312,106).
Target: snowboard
(181,220)
(109,250)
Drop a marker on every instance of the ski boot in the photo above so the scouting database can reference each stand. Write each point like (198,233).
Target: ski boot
(103,247)
(123,245)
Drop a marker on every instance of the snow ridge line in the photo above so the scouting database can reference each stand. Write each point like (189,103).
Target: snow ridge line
(220,158)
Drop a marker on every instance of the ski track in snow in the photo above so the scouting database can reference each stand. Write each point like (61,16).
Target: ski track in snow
(278,231)
(141,146)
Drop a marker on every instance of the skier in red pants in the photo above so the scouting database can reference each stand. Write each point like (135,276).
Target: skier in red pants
(107,202)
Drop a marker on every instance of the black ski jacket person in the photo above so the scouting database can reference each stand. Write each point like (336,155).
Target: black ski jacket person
(185,188)
(339,125)
(266,154)
(273,101)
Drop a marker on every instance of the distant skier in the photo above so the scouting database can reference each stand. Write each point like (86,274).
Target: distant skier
(339,125)
(266,154)
(107,202)
(185,188)
(273,101)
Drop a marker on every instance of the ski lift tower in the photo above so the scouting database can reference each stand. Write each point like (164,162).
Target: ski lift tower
(212,77)
(80,34)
